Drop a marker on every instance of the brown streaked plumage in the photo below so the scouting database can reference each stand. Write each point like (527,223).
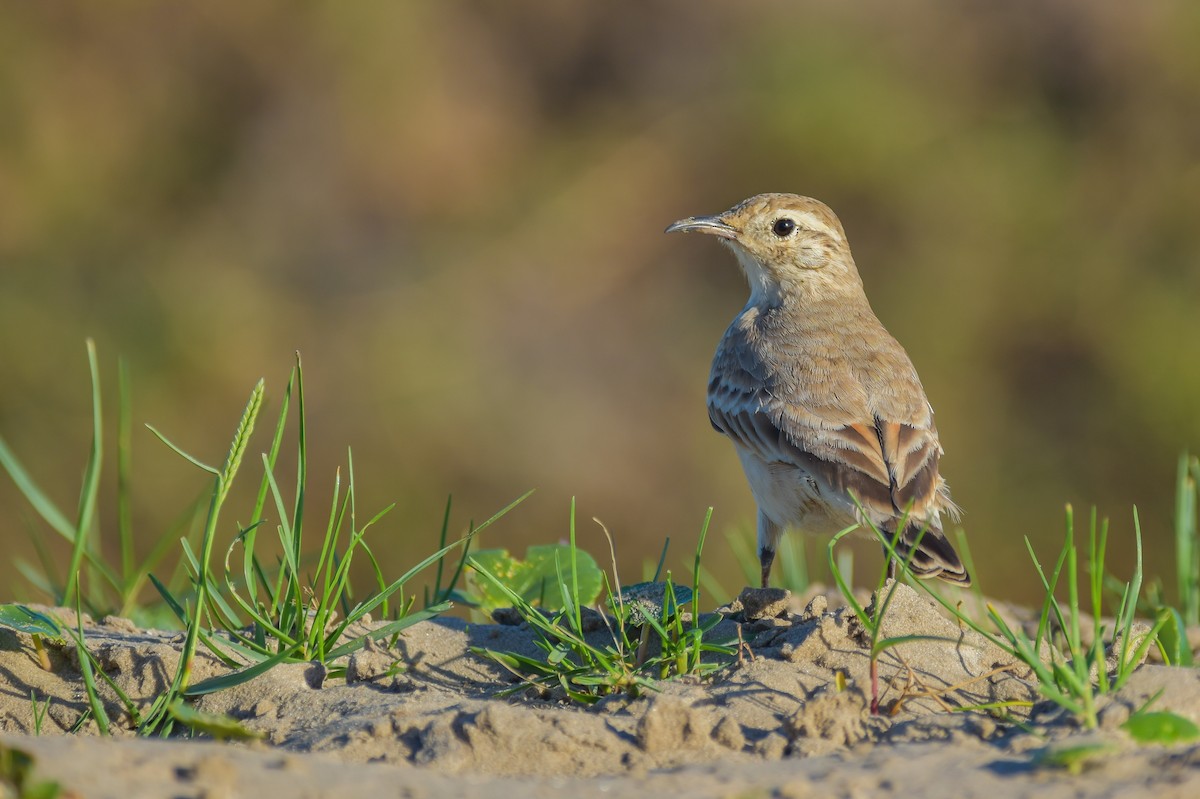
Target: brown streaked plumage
(821,403)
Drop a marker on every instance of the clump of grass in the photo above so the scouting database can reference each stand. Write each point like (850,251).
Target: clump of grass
(105,588)
(252,613)
(1069,672)
(266,614)
(1076,675)
(158,718)
(585,671)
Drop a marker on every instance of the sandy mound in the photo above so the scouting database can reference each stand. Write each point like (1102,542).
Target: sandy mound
(780,718)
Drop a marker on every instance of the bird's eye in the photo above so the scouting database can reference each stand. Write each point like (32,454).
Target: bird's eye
(783,227)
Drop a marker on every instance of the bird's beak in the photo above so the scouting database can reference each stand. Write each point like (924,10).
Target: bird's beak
(704,224)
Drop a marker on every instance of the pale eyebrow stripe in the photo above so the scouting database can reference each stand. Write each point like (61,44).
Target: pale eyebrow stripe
(813,222)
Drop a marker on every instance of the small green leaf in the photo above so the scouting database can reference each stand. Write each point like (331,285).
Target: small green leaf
(27,620)
(16,771)
(1160,727)
(534,579)
(543,561)
(558,655)
(1075,756)
(1173,638)
(220,727)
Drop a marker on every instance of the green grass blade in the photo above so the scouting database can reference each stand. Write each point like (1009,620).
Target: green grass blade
(42,580)
(170,599)
(369,605)
(338,586)
(241,676)
(1097,548)
(390,628)
(662,559)
(251,568)
(439,592)
(1128,611)
(1049,603)
(574,607)
(225,615)
(339,508)
(696,569)
(180,451)
(1187,539)
(91,482)
(843,587)
(124,462)
(1074,635)
(288,583)
(437,578)
(222,728)
(531,615)
(328,564)
(1173,639)
(964,550)
(29,489)
(89,678)
(301,461)
(237,448)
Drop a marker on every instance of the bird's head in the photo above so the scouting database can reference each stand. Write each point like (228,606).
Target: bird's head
(784,243)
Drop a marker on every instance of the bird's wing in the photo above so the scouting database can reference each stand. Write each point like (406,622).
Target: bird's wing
(888,465)
(876,442)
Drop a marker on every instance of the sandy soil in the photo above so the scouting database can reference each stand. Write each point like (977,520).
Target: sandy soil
(773,724)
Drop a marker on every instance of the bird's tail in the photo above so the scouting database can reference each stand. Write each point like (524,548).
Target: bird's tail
(928,553)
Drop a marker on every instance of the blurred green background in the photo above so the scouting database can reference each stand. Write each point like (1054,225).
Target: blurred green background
(454,211)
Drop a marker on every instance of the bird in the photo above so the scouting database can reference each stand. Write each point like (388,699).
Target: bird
(822,404)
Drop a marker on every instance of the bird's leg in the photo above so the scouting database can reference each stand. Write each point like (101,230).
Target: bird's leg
(893,567)
(766,557)
(768,542)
